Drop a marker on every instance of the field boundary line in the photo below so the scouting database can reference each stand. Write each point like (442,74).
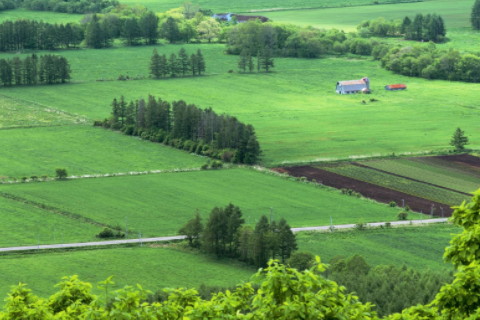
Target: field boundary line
(54,210)
(411,179)
(141,241)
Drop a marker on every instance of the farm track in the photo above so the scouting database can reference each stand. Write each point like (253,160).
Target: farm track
(141,241)
(410,179)
(368,190)
(53,210)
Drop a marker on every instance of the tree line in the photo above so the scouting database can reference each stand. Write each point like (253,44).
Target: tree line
(70,6)
(185,126)
(225,235)
(33,35)
(46,69)
(177,65)
(429,27)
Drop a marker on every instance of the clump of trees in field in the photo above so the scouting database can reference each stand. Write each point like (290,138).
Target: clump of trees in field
(46,69)
(182,64)
(185,126)
(430,63)
(428,27)
(275,292)
(224,235)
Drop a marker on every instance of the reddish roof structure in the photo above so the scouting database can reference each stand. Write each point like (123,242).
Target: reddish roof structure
(398,86)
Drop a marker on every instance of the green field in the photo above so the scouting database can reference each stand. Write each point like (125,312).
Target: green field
(24,224)
(251,5)
(159,204)
(84,150)
(431,170)
(296,113)
(45,16)
(418,247)
(154,267)
(455,13)
(418,189)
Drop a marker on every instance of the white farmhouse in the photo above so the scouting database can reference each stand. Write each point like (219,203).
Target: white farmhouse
(353,86)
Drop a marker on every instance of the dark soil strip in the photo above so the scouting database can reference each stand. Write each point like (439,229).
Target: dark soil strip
(411,179)
(368,190)
(461,158)
(53,210)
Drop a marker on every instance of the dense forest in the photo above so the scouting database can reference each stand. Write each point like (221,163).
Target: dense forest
(185,126)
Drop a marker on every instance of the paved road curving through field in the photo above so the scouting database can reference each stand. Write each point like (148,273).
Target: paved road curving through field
(181,237)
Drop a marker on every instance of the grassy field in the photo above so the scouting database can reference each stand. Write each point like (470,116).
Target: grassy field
(455,13)
(14,114)
(400,184)
(159,204)
(84,150)
(418,247)
(154,267)
(429,170)
(252,5)
(23,224)
(295,110)
(50,17)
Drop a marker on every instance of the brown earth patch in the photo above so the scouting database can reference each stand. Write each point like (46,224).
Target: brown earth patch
(368,190)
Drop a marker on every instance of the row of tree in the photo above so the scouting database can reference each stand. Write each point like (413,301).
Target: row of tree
(187,127)
(173,66)
(70,6)
(225,236)
(46,69)
(264,61)
(34,35)
(431,63)
(428,27)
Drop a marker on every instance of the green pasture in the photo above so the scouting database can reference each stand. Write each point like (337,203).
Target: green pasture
(154,267)
(297,115)
(251,5)
(455,13)
(45,16)
(24,224)
(14,114)
(443,174)
(418,189)
(159,204)
(84,150)
(417,247)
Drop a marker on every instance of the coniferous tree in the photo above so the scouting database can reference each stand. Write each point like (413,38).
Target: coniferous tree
(183,61)
(170,30)
(94,34)
(459,140)
(149,27)
(131,32)
(200,62)
(475,15)
(155,65)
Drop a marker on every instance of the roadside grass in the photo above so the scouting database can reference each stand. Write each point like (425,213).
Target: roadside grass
(45,16)
(455,13)
(400,184)
(417,247)
(252,5)
(84,149)
(422,169)
(17,114)
(24,225)
(159,204)
(154,267)
(297,115)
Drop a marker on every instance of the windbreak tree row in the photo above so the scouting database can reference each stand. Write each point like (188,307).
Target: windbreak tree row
(46,69)
(185,126)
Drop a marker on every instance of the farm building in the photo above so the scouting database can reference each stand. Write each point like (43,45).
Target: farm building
(238,18)
(395,87)
(353,86)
